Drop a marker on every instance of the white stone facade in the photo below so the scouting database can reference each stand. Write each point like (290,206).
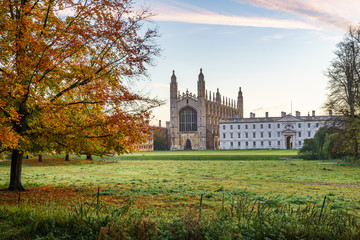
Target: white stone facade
(286,132)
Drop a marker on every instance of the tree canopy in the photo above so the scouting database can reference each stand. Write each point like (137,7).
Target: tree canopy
(344,91)
(66,68)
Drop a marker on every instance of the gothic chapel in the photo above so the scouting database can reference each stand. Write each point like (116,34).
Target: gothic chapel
(194,120)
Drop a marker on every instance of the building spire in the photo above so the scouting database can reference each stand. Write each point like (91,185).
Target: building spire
(173,86)
(201,75)
(218,96)
(173,77)
(201,85)
(240,103)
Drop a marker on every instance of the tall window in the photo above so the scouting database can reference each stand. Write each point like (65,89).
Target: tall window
(188,120)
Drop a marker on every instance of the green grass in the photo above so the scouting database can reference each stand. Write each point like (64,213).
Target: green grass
(286,178)
(163,189)
(208,155)
(218,153)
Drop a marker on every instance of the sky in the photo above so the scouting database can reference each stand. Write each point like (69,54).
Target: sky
(277,51)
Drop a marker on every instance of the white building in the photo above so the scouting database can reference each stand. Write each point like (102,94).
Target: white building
(285,132)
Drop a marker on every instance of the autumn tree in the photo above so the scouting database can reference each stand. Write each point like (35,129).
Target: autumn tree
(66,70)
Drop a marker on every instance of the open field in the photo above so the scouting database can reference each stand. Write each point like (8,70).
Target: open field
(288,180)
(166,188)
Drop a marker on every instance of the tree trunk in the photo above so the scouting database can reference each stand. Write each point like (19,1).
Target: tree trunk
(89,157)
(67,158)
(15,172)
(40,157)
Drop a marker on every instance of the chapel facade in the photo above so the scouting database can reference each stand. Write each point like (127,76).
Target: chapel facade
(194,119)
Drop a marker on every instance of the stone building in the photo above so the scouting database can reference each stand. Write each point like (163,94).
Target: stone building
(284,132)
(147,146)
(194,120)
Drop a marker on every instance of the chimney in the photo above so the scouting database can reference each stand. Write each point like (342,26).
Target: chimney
(313,113)
(159,123)
(330,112)
(283,114)
(267,114)
(251,115)
(297,114)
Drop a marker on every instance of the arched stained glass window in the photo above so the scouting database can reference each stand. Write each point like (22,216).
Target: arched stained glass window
(188,120)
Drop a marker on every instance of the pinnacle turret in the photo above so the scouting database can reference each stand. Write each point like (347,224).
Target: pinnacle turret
(173,86)
(201,85)
(173,77)
(201,75)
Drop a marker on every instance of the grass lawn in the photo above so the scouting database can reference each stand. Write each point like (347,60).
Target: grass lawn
(157,195)
(153,183)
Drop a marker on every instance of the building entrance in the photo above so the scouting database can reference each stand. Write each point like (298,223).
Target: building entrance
(289,142)
(188,145)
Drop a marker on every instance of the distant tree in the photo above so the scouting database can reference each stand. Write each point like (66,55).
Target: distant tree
(344,75)
(66,68)
(308,150)
(344,88)
(160,141)
(323,146)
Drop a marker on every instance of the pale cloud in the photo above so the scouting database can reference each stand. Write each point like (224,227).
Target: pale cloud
(192,14)
(273,37)
(307,14)
(333,14)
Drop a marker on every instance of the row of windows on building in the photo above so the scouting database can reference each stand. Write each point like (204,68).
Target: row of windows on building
(269,126)
(256,144)
(261,135)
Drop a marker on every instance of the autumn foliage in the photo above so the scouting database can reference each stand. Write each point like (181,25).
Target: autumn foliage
(66,68)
